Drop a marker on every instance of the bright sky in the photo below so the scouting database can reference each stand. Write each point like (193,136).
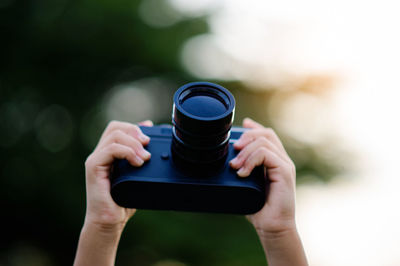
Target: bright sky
(355,221)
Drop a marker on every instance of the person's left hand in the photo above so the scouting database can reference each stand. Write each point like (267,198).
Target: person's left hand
(261,146)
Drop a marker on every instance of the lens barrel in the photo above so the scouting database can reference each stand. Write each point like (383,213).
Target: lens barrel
(202,117)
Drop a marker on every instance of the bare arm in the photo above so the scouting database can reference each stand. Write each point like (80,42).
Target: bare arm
(283,248)
(275,222)
(105,220)
(97,245)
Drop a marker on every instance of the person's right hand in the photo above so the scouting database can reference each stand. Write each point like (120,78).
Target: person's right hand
(120,140)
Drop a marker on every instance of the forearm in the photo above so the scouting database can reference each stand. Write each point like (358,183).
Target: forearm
(97,245)
(283,248)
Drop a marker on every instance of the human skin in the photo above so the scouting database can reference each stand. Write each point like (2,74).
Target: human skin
(275,222)
(105,220)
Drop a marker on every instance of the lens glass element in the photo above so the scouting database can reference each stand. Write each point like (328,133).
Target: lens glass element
(202,118)
(203,105)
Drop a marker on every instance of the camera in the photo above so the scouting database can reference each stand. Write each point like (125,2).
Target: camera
(189,166)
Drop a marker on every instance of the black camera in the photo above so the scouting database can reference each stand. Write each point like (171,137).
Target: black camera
(189,166)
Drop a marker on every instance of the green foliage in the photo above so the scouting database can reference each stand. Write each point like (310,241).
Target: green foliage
(58,60)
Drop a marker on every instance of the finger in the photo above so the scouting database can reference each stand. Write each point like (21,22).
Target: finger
(253,134)
(118,136)
(250,123)
(246,138)
(239,160)
(128,128)
(108,154)
(147,123)
(261,156)
(258,130)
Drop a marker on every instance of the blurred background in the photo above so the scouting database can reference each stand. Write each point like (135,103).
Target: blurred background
(323,74)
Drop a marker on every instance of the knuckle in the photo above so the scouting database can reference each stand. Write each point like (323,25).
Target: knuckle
(269,129)
(269,132)
(88,161)
(240,155)
(250,162)
(246,163)
(131,153)
(135,143)
(261,151)
(247,134)
(117,134)
(293,166)
(259,154)
(289,170)
(135,128)
(262,140)
(112,148)
(113,124)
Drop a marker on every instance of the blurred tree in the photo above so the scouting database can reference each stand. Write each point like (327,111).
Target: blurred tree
(58,59)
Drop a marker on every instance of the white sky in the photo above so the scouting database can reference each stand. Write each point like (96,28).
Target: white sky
(354,222)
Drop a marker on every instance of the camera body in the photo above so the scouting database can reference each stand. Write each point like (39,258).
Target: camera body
(189,166)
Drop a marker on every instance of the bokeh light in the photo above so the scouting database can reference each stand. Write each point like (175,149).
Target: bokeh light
(136,101)
(323,74)
(158,13)
(279,45)
(54,128)
(12,119)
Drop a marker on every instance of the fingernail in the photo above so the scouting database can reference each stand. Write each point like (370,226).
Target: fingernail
(144,154)
(238,142)
(234,161)
(144,138)
(242,172)
(139,160)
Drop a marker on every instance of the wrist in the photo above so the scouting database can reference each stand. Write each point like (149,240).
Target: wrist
(272,227)
(103,229)
(283,247)
(278,239)
(275,235)
(97,244)
(277,231)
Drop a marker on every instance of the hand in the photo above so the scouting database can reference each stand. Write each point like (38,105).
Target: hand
(261,146)
(120,140)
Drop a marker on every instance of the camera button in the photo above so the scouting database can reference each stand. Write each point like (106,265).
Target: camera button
(164,155)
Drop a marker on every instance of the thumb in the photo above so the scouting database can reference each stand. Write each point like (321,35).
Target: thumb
(250,123)
(147,123)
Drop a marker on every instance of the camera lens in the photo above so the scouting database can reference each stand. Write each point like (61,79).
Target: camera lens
(202,117)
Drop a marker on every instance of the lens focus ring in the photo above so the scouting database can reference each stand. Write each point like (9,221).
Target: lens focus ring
(202,117)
